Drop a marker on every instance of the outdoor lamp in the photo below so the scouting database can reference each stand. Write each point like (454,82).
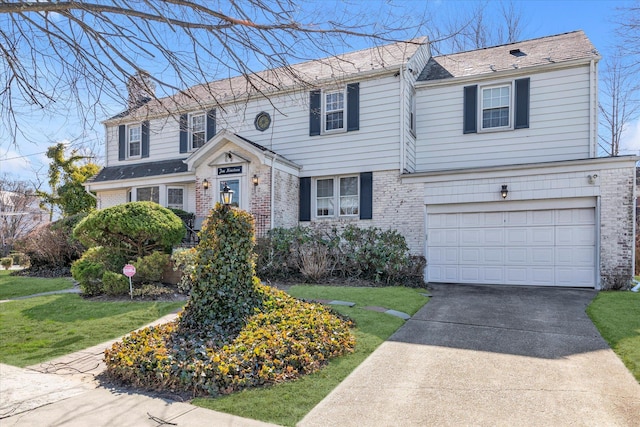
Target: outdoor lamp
(504,191)
(255,180)
(226,194)
(205,184)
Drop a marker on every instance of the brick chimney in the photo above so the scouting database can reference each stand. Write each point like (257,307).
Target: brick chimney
(141,89)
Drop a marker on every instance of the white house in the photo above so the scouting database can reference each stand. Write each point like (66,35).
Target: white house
(484,160)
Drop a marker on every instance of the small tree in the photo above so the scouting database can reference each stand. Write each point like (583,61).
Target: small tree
(225,291)
(134,229)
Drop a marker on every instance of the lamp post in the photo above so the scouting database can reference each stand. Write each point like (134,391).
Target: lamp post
(226,195)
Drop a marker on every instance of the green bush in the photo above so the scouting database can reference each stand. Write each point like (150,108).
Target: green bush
(115,284)
(224,292)
(152,291)
(6,262)
(287,338)
(134,229)
(89,274)
(184,260)
(18,258)
(149,268)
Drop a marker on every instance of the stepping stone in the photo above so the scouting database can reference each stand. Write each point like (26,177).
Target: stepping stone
(345,303)
(399,314)
(427,295)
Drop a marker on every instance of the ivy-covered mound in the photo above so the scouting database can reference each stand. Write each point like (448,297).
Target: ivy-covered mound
(286,339)
(234,332)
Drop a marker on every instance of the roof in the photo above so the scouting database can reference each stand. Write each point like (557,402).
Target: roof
(140,170)
(530,53)
(305,74)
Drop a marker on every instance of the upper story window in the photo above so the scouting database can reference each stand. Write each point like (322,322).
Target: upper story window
(496,105)
(197,129)
(134,140)
(334,113)
(503,106)
(335,110)
(337,195)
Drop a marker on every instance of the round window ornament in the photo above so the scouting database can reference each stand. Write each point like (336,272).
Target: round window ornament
(263,121)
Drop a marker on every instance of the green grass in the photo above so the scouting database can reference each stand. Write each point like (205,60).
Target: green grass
(38,329)
(287,403)
(616,314)
(16,286)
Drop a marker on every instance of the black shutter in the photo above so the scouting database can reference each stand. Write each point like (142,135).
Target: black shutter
(184,135)
(305,199)
(122,142)
(145,139)
(522,104)
(470,114)
(353,106)
(366,195)
(315,112)
(211,124)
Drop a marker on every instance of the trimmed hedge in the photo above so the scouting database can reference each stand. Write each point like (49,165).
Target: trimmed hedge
(284,339)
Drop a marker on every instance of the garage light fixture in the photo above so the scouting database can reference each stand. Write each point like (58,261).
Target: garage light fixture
(504,191)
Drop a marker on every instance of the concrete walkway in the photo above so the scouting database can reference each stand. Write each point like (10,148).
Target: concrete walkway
(489,356)
(65,392)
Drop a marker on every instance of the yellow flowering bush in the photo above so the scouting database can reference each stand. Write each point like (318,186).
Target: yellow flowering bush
(284,339)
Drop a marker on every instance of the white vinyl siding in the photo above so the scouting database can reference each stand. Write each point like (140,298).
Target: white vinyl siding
(559,126)
(376,146)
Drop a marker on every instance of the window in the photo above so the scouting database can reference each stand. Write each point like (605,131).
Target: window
(134,140)
(412,111)
(495,107)
(175,197)
(324,197)
(342,192)
(198,130)
(148,194)
(334,111)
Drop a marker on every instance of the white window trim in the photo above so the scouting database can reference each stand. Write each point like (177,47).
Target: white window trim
(175,187)
(323,102)
(128,145)
(481,128)
(336,197)
(190,125)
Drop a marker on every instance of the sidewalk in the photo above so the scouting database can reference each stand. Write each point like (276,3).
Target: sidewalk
(65,392)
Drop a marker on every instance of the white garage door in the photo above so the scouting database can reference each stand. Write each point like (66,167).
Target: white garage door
(540,247)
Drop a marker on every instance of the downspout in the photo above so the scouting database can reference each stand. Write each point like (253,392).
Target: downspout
(86,188)
(273,191)
(402,121)
(593,102)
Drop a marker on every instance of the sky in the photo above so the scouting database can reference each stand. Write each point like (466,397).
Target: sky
(541,18)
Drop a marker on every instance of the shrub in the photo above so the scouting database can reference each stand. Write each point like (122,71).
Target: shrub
(134,229)
(89,274)
(287,338)
(115,284)
(224,292)
(52,246)
(6,262)
(151,291)
(149,268)
(185,261)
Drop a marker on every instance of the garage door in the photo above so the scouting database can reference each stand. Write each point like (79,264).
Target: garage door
(540,247)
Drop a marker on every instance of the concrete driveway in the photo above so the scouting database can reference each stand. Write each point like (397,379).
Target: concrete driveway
(487,356)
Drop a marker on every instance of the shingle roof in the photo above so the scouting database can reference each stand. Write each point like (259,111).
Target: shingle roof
(545,50)
(140,170)
(268,81)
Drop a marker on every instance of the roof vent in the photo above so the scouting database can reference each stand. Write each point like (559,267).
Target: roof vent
(517,52)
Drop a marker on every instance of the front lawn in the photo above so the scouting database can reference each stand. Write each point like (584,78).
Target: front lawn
(616,314)
(38,329)
(17,286)
(287,403)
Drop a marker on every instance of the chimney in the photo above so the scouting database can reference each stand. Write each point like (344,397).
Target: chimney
(141,89)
